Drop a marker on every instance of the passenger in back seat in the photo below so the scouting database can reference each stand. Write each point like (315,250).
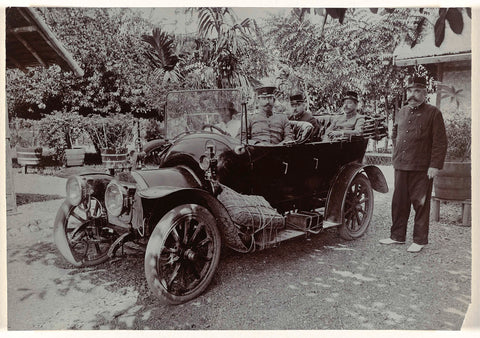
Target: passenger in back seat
(297,102)
(350,123)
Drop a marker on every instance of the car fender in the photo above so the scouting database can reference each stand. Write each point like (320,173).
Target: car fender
(157,201)
(180,176)
(338,189)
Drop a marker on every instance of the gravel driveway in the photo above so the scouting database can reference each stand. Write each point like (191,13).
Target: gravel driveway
(322,282)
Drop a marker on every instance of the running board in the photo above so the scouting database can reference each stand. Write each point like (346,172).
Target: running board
(280,236)
(329,224)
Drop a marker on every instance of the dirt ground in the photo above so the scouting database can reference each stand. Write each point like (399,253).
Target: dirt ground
(322,282)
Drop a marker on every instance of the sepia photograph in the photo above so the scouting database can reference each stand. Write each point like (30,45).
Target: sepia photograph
(238,168)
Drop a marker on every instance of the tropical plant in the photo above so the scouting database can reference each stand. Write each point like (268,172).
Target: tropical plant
(163,57)
(454,17)
(449,92)
(227,45)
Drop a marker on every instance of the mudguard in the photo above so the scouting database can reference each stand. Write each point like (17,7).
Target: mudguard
(338,190)
(179,176)
(158,200)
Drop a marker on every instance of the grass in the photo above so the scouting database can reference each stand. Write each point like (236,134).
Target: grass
(31,198)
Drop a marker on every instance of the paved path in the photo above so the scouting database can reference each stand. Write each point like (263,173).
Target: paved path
(39,184)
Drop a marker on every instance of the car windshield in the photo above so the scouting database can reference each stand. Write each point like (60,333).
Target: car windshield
(189,111)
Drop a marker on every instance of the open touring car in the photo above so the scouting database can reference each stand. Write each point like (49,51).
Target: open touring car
(209,189)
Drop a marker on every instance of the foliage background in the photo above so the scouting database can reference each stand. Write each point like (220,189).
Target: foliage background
(130,63)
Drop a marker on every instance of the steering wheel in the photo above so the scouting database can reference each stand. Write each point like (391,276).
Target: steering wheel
(212,127)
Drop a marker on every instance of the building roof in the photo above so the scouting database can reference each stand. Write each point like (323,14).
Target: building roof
(455,47)
(29,42)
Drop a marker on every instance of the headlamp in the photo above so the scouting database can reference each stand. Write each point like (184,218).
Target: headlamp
(114,198)
(75,190)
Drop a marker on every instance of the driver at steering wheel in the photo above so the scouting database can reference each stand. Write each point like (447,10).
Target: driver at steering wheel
(230,124)
(266,127)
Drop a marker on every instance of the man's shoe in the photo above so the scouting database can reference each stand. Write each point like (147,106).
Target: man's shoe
(390,241)
(415,247)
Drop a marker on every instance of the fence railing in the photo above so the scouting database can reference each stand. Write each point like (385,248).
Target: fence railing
(378,158)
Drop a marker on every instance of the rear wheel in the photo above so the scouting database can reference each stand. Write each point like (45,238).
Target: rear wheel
(182,254)
(357,208)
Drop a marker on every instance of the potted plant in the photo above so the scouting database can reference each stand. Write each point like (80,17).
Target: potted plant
(453,182)
(22,137)
(110,136)
(58,131)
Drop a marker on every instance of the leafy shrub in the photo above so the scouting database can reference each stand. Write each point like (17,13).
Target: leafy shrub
(59,130)
(113,131)
(19,130)
(152,129)
(459,138)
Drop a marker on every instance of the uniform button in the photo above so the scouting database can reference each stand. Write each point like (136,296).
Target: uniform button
(407,131)
(409,121)
(404,141)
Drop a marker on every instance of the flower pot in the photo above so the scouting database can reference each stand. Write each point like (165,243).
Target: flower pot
(28,157)
(74,157)
(453,182)
(115,158)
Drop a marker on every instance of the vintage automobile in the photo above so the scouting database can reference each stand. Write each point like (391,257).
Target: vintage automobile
(205,189)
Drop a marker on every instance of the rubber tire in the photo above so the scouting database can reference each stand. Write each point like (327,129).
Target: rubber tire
(61,241)
(156,244)
(344,231)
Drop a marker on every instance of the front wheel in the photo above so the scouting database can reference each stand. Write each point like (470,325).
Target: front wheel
(182,254)
(82,234)
(357,208)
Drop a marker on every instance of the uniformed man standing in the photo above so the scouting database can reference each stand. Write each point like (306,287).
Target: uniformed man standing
(266,127)
(420,145)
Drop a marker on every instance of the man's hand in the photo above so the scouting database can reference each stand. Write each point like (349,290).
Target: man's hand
(287,143)
(432,172)
(335,133)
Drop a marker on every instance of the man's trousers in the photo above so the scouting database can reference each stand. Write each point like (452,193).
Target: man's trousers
(411,188)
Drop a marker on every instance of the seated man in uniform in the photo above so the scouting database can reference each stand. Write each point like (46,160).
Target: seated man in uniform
(265,126)
(297,102)
(350,123)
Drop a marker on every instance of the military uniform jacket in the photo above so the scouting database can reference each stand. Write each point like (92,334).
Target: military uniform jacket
(307,117)
(419,138)
(273,129)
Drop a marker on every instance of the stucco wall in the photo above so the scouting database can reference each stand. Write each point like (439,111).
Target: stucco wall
(460,80)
